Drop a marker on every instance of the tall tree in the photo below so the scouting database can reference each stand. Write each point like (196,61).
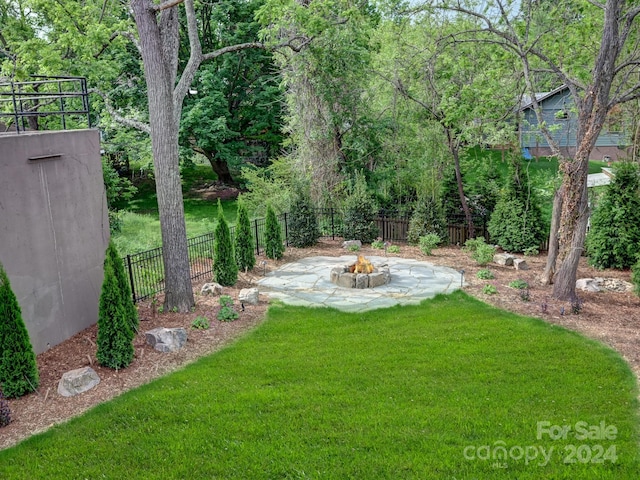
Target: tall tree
(464,88)
(600,72)
(233,114)
(158,33)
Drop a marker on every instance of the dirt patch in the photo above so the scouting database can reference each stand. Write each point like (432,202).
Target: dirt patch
(608,316)
(214,191)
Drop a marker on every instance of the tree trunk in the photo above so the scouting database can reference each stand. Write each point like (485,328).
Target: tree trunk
(546,278)
(455,151)
(573,224)
(164,142)
(221,169)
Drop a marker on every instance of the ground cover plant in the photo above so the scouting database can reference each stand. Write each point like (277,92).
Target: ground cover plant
(406,392)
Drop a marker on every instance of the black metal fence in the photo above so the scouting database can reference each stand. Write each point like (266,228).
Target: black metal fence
(146,269)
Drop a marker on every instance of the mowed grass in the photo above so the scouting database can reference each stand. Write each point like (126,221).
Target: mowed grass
(407,392)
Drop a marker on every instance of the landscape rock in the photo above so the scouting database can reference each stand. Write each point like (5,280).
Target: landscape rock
(248,296)
(503,259)
(587,285)
(520,264)
(348,243)
(212,288)
(77,381)
(166,339)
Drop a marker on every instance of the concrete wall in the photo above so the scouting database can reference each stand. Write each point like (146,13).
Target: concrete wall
(54,229)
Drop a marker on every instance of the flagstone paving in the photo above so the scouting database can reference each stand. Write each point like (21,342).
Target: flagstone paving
(306,283)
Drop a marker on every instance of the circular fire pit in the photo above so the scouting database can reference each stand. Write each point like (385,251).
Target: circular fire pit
(360,274)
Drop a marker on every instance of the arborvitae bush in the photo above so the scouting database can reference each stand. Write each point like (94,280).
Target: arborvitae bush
(359,212)
(225,268)
(516,223)
(614,238)
(274,248)
(426,219)
(115,335)
(5,411)
(18,367)
(123,283)
(303,224)
(244,248)
(635,277)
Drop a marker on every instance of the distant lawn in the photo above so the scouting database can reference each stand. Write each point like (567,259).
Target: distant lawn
(408,392)
(140,222)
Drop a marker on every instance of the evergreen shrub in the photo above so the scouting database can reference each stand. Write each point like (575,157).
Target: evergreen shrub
(115,335)
(359,211)
(635,277)
(426,219)
(225,268)
(18,366)
(614,237)
(123,284)
(244,248)
(516,223)
(5,411)
(303,224)
(274,248)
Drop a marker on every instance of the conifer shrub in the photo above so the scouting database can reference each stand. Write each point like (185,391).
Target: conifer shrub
(115,335)
(225,268)
(18,366)
(516,223)
(635,277)
(243,242)
(614,237)
(5,411)
(123,284)
(359,211)
(303,228)
(425,219)
(274,248)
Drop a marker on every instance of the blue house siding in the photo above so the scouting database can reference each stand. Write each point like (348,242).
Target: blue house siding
(559,114)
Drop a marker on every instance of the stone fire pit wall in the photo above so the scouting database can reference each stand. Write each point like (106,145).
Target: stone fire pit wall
(342,277)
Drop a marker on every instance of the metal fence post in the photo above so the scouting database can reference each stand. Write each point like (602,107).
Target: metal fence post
(255,223)
(133,285)
(286,230)
(333,231)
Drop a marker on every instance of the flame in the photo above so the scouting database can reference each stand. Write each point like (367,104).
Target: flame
(362,266)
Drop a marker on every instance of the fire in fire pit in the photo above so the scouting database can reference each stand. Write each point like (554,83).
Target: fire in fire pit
(361,274)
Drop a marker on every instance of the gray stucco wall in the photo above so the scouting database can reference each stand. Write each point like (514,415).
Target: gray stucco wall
(54,229)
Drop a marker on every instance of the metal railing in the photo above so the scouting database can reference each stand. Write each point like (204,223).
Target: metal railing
(61,97)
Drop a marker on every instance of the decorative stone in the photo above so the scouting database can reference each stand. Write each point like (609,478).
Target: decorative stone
(249,296)
(212,288)
(614,284)
(377,279)
(347,280)
(362,280)
(503,259)
(587,285)
(520,264)
(77,381)
(166,339)
(348,243)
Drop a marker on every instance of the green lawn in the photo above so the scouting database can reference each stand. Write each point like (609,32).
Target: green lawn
(408,392)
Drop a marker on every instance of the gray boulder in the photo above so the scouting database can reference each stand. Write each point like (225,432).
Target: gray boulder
(211,289)
(77,381)
(248,296)
(587,285)
(503,259)
(166,339)
(520,264)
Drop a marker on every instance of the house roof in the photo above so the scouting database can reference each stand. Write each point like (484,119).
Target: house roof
(527,101)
